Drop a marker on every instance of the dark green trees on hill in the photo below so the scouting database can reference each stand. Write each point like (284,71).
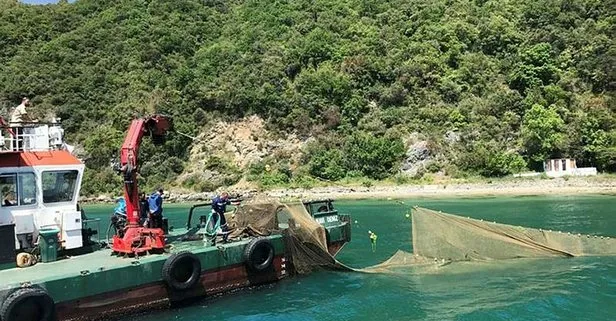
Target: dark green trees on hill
(514,81)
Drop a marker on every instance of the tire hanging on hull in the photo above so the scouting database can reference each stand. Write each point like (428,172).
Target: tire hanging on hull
(259,254)
(182,271)
(28,304)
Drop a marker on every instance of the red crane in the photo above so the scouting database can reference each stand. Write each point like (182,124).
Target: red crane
(136,239)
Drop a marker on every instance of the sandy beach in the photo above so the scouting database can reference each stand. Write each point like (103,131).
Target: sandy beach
(522,187)
(518,187)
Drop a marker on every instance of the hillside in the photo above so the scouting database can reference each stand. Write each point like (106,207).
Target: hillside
(330,89)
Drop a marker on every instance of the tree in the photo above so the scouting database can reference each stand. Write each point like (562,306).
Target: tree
(374,157)
(535,68)
(542,133)
(606,155)
(491,160)
(327,164)
(352,70)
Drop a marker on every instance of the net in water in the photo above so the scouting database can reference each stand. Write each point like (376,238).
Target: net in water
(305,239)
(440,235)
(438,239)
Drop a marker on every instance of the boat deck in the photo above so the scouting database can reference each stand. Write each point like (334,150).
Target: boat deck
(99,261)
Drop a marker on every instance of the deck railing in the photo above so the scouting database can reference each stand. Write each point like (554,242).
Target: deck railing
(30,137)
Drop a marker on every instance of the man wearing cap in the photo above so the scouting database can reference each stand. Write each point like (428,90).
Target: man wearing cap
(155,203)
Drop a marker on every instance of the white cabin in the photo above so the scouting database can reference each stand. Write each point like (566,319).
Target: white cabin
(566,167)
(39,184)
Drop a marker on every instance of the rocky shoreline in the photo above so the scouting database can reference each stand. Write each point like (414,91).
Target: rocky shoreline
(559,186)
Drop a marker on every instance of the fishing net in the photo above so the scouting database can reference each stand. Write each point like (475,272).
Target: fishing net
(305,239)
(460,238)
(440,239)
(254,219)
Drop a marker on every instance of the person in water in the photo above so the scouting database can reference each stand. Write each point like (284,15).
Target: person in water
(155,202)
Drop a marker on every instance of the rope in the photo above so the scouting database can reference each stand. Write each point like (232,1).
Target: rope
(186,135)
(216,225)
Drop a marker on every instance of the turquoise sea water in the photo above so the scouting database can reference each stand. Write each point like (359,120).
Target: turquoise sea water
(545,289)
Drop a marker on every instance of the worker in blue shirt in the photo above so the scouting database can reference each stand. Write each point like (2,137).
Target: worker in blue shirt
(118,219)
(155,203)
(219,207)
(120,209)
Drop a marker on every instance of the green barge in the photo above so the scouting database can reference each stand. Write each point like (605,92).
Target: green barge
(54,267)
(100,284)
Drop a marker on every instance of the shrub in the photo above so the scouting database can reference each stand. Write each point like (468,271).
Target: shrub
(488,160)
(375,157)
(326,164)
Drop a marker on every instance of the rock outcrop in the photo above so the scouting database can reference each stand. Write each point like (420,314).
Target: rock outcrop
(228,147)
(418,156)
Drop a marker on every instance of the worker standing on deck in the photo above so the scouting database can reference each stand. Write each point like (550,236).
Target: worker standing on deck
(155,217)
(20,114)
(219,207)
(120,209)
(144,208)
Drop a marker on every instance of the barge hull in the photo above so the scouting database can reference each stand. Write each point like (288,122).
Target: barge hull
(158,295)
(98,285)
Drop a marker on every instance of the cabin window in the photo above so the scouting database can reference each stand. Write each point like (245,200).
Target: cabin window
(27,188)
(8,186)
(321,207)
(18,189)
(59,186)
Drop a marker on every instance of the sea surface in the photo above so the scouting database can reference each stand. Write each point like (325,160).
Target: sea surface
(544,289)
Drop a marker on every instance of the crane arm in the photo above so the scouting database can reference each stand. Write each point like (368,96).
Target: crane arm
(157,127)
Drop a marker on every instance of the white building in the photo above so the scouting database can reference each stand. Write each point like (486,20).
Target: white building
(566,167)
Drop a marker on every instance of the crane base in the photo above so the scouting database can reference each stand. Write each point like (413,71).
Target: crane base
(139,240)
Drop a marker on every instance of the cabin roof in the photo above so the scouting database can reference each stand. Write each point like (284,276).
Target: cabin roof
(315,201)
(42,158)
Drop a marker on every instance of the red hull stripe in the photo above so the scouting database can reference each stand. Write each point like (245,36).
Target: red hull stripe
(29,159)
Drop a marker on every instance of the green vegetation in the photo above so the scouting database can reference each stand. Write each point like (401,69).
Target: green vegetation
(515,81)
(359,154)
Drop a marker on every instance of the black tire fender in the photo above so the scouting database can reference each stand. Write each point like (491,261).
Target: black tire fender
(182,271)
(259,254)
(28,304)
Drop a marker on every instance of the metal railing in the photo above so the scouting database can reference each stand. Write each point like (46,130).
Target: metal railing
(28,137)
